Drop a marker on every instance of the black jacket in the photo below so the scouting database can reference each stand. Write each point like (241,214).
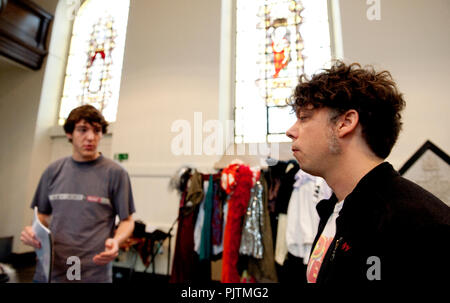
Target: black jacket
(391,220)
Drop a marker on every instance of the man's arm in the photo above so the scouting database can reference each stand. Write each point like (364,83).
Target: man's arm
(45,219)
(123,232)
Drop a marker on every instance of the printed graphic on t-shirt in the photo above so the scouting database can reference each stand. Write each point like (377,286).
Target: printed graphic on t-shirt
(79,197)
(315,262)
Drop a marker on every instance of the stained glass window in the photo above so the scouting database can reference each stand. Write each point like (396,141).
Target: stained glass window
(94,64)
(276,42)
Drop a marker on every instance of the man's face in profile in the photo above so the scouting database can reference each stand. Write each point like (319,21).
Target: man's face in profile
(313,139)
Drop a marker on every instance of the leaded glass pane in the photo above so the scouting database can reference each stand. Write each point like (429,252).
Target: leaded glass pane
(94,64)
(276,42)
(277,138)
(280,119)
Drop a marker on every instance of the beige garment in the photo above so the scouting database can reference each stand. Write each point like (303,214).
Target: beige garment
(194,193)
(281,248)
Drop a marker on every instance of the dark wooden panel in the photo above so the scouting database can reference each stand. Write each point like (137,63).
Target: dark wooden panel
(24,30)
(25,22)
(2,5)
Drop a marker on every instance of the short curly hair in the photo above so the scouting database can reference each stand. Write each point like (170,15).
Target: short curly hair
(84,112)
(374,95)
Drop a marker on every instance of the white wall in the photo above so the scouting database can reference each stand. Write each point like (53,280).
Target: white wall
(170,71)
(23,137)
(412,41)
(19,101)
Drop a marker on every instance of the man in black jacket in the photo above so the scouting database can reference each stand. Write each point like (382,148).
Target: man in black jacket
(377,226)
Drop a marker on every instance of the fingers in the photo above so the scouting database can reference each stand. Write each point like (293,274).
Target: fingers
(104,258)
(110,253)
(111,246)
(29,238)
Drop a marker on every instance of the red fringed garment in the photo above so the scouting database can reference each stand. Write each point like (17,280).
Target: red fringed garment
(237,206)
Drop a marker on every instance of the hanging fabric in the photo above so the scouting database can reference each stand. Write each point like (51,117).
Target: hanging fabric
(217,216)
(281,248)
(200,221)
(183,259)
(280,179)
(302,217)
(251,241)
(206,243)
(263,270)
(240,185)
(195,192)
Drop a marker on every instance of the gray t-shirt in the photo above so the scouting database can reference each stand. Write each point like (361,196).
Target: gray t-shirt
(83,199)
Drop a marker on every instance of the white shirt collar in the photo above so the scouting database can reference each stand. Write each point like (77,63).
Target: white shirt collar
(301,178)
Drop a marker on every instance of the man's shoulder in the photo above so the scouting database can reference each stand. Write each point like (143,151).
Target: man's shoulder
(58,164)
(112,165)
(407,189)
(413,201)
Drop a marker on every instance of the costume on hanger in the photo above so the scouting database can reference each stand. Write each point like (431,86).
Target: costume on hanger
(195,192)
(238,181)
(302,217)
(183,258)
(280,178)
(183,266)
(200,220)
(217,215)
(251,240)
(206,243)
(282,175)
(281,248)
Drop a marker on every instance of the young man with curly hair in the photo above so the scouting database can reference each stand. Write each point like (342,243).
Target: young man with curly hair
(81,195)
(377,225)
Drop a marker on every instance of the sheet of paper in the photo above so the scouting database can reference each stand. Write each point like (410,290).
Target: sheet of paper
(44,253)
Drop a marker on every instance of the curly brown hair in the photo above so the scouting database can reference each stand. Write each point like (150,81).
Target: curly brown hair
(374,95)
(85,112)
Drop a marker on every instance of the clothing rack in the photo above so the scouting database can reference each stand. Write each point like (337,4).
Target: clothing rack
(276,186)
(216,176)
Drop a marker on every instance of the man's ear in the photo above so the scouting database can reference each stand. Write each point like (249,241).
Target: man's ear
(69,137)
(347,123)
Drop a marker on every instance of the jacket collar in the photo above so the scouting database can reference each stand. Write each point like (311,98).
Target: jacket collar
(372,180)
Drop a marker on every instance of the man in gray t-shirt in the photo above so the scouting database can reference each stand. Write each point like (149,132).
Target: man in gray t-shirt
(79,198)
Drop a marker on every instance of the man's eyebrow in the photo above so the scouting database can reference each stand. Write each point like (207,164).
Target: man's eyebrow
(95,126)
(304,111)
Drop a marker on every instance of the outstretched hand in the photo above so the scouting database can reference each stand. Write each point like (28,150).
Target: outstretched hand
(109,254)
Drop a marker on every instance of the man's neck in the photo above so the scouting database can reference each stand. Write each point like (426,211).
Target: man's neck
(79,158)
(346,175)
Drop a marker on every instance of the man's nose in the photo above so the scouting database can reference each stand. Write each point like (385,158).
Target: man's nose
(291,132)
(90,134)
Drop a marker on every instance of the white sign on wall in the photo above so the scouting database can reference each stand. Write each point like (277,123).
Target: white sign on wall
(429,167)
